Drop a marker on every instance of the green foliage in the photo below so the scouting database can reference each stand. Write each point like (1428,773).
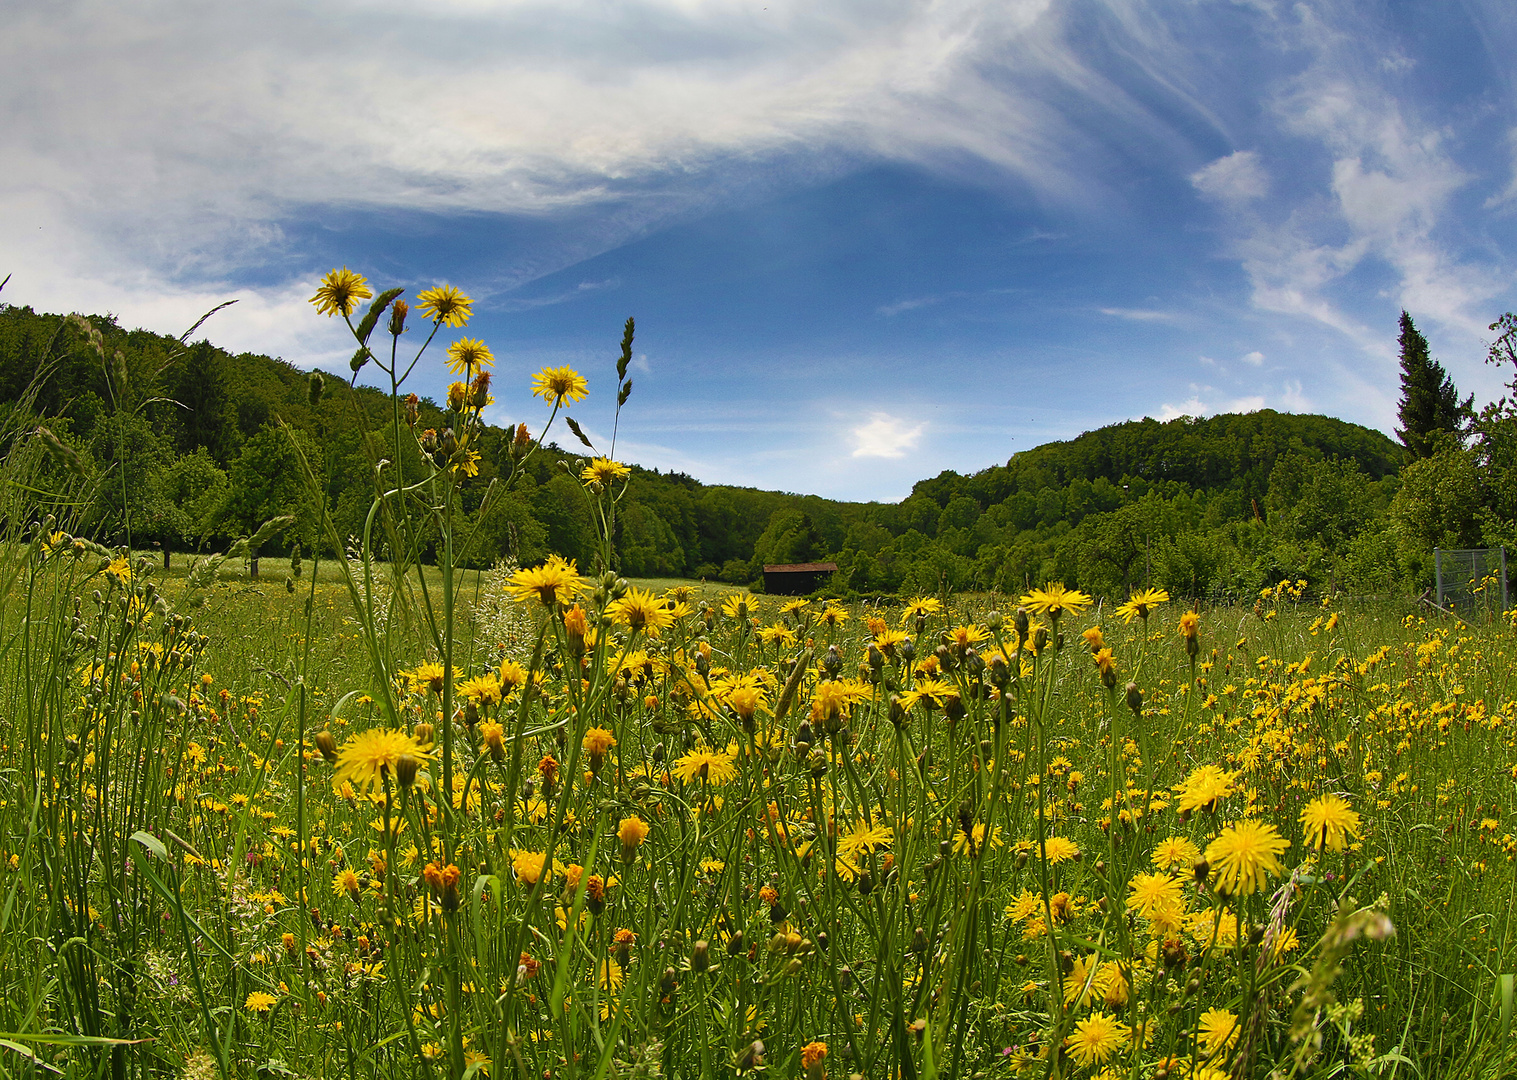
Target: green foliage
(1431,413)
(268,480)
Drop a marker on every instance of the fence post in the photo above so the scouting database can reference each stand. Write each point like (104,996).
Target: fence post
(1438,573)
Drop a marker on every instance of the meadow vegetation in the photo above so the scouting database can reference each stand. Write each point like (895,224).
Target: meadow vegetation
(380,819)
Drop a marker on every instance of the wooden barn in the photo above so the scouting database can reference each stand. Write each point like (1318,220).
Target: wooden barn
(796,579)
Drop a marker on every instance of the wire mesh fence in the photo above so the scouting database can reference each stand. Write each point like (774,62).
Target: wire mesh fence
(1472,582)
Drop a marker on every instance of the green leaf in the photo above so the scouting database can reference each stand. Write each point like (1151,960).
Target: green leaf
(152,843)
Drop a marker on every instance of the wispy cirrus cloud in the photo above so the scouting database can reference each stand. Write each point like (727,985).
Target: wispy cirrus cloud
(1140,314)
(564,296)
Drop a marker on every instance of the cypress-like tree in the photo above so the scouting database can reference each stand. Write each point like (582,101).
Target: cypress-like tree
(1429,400)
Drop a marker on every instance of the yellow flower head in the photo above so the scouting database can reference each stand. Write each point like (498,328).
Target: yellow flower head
(560,386)
(445,304)
(921,608)
(641,610)
(260,1002)
(530,865)
(346,884)
(602,472)
(493,736)
(597,741)
(632,832)
(554,582)
(1055,601)
(1152,893)
(1060,849)
(835,699)
(1176,851)
(466,353)
(1096,1038)
(1203,789)
(703,763)
(340,292)
(965,636)
(1243,856)
(369,757)
(738,606)
(744,701)
(813,1056)
(1328,822)
(1141,603)
(1217,1031)
(864,837)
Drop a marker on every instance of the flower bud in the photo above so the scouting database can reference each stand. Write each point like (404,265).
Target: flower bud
(479,393)
(327,745)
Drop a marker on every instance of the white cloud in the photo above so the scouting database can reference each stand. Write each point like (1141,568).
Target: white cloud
(1255,358)
(1294,400)
(584,288)
(886,436)
(891,310)
(1194,406)
(1509,193)
(1139,314)
(1236,178)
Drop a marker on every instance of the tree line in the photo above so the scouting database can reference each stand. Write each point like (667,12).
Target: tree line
(189,446)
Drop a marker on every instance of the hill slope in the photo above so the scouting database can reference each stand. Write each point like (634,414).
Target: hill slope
(1198,505)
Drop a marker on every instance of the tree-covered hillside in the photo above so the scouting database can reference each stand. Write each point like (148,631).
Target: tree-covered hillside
(190,446)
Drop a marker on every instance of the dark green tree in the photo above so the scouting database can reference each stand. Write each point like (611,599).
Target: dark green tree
(268,479)
(1431,413)
(206,413)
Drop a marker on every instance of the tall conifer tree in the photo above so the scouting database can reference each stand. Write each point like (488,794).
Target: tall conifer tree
(1429,400)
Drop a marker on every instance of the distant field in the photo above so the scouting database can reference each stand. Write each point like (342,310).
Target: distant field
(272,570)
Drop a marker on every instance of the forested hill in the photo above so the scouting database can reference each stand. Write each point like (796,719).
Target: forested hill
(1217,505)
(1232,450)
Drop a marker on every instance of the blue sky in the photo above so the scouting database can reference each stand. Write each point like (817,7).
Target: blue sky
(864,241)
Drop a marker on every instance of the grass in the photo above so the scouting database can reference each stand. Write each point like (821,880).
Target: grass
(154,819)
